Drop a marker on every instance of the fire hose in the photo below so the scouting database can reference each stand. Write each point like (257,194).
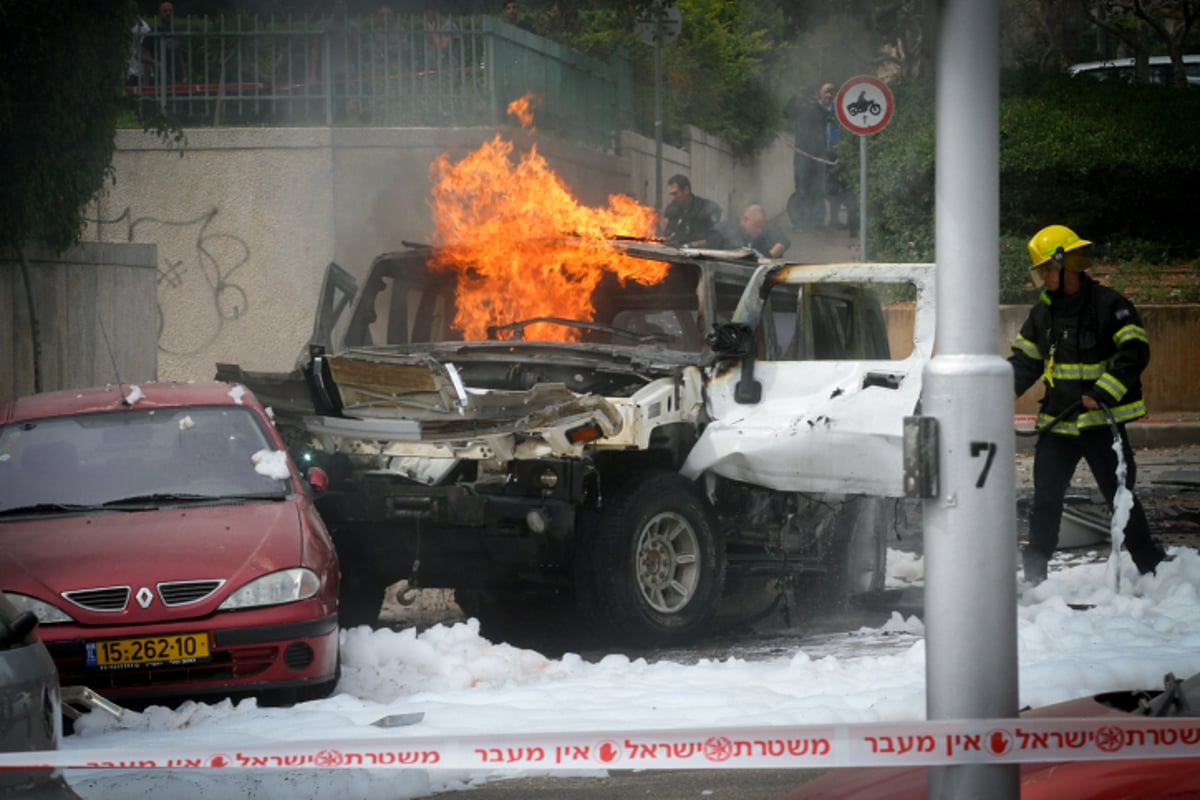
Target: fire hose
(1071,409)
(1112,421)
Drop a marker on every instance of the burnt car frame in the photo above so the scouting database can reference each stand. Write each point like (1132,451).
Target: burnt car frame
(736,425)
(167,543)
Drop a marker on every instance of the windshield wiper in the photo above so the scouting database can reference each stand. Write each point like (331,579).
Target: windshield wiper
(277,495)
(48,508)
(155,499)
(518,329)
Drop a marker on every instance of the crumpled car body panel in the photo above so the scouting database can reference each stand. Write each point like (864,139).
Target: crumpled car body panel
(821,426)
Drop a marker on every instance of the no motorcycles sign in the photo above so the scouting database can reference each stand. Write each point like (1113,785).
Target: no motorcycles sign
(864,105)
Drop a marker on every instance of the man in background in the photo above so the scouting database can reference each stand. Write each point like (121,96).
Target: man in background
(512,15)
(172,60)
(752,231)
(810,118)
(837,183)
(688,219)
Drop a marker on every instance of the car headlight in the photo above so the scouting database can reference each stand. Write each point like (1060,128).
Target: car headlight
(46,613)
(285,586)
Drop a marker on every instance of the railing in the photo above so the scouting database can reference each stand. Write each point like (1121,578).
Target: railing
(409,71)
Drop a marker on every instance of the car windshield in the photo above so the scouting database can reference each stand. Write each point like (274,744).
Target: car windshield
(139,456)
(406,302)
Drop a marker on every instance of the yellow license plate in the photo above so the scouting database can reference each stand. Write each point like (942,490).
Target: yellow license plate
(174,648)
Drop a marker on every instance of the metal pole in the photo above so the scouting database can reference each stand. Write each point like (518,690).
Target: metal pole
(862,198)
(658,113)
(970,525)
(327,76)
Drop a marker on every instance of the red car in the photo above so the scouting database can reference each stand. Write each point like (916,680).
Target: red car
(1157,778)
(167,543)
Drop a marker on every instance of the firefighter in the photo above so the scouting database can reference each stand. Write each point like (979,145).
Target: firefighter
(1085,341)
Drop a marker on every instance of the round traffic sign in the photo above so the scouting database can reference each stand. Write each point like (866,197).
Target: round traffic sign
(864,105)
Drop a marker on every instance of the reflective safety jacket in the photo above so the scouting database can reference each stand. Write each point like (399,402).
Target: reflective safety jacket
(1089,343)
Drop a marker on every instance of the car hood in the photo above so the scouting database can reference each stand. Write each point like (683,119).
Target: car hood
(631,356)
(48,556)
(491,365)
(491,388)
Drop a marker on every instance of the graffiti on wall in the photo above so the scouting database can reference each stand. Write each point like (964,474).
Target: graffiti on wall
(197,297)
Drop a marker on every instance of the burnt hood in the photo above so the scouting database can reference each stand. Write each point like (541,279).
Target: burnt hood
(466,389)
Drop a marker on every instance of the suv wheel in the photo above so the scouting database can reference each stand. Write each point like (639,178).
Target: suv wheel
(858,558)
(650,564)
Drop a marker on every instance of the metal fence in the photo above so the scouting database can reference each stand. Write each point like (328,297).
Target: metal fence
(410,70)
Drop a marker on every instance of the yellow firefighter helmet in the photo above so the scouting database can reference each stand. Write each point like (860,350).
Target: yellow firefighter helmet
(1046,242)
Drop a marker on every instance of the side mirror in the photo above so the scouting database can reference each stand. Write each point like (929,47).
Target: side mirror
(317,479)
(730,340)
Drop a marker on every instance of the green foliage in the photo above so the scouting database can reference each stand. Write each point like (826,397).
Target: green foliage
(598,31)
(1122,161)
(61,79)
(1016,281)
(1118,163)
(1138,278)
(719,72)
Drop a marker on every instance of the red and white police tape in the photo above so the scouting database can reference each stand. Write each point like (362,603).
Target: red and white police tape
(931,743)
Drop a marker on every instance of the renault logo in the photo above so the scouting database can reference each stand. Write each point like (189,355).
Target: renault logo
(144,597)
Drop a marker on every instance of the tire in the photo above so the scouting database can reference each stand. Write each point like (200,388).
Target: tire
(650,565)
(857,557)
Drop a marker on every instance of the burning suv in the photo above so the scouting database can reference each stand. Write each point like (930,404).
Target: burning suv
(699,425)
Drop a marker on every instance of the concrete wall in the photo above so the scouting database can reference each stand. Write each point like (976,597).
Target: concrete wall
(244,226)
(247,219)
(96,316)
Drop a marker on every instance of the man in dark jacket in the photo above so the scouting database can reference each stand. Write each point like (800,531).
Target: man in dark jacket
(1086,342)
(753,231)
(813,119)
(688,219)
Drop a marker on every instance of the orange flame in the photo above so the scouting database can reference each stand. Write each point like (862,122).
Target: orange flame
(522,109)
(523,246)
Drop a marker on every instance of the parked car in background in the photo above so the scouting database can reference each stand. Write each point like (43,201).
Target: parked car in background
(30,704)
(167,543)
(1122,69)
(1079,780)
